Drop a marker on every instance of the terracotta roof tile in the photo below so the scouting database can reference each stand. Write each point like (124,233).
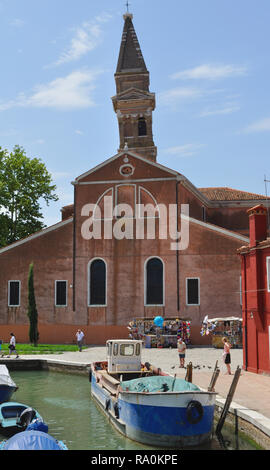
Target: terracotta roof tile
(229,194)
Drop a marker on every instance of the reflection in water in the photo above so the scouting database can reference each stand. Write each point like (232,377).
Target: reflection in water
(65,404)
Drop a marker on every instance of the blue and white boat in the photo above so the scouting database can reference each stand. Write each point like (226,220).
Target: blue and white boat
(7,385)
(15,417)
(148,405)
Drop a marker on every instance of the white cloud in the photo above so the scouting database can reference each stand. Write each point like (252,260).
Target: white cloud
(86,38)
(57,175)
(262,125)
(78,132)
(210,72)
(226,109)
(17,22)
(70,92)
(177,94)
(186,150)
(180,94)
(39,141)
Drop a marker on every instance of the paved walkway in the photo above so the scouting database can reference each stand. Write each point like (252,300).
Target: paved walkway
(252,395)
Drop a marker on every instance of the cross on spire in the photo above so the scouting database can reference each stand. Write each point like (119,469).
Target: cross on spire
(127,5)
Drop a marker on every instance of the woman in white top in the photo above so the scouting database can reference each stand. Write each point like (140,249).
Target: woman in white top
(12,345)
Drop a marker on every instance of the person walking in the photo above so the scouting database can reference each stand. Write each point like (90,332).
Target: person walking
(12,345)
(80,336)
(181,345)
(227,355)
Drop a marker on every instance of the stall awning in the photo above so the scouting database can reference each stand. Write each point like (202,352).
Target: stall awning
(212,320)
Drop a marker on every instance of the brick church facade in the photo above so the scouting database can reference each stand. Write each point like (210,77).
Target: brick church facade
(86,276)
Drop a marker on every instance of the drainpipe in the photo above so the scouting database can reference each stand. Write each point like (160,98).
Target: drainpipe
(74,252)
(177,252)
(246,313)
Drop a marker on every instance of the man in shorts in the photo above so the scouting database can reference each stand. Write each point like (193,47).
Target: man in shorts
(181,345)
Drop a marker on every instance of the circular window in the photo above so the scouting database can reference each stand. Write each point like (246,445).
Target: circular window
(126,170)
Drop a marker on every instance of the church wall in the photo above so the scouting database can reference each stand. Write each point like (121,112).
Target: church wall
(211,256)
(51,254)
(196,207)
(125,260)
(231,218)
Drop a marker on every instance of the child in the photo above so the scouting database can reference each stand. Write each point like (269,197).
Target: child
(227,355)
(181,345)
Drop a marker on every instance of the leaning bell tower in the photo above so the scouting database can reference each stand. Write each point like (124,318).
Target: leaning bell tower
(133,102)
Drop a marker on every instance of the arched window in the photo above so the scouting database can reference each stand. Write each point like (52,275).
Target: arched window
(97,282)
(142,129)
(154,279)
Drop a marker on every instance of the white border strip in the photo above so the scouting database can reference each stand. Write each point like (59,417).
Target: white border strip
(120,154)
(36,235)
(215,228)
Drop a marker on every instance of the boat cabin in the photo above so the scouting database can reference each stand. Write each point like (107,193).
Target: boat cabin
(124,355)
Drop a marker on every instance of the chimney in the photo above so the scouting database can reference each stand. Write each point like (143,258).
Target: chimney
(257,224)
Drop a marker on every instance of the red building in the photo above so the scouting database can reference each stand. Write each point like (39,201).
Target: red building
(255,269)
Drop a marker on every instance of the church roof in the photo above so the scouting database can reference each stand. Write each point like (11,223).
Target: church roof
(229,194)
(130,55)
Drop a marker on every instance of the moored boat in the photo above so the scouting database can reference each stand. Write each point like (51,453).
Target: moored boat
(15,417)
(32,440)
(7,385)
(148,405)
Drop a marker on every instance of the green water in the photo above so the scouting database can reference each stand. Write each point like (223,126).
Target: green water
(64,402)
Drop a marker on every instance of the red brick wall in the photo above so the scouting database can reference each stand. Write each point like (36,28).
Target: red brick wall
(64,334)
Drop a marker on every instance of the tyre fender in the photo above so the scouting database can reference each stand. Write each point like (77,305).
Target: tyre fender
(194,412)
(116,410)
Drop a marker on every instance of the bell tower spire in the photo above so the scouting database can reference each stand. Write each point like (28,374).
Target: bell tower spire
(133,102)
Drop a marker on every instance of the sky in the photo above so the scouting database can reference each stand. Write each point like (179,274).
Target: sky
(209,67)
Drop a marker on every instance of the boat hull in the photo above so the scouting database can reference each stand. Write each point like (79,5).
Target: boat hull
(158,419)
(6,392)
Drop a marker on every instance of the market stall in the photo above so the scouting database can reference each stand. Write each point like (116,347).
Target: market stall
(158,332)
(229,327)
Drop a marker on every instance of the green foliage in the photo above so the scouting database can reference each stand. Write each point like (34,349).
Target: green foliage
(32,309)
(24,182)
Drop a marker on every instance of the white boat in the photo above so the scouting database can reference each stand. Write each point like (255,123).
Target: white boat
(7,385)
(148,405)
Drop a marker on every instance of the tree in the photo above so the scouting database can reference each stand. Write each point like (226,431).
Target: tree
(24,182)
(32,309)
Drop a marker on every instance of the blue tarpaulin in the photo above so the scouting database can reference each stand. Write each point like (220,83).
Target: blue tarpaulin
(32,440)
(158,383)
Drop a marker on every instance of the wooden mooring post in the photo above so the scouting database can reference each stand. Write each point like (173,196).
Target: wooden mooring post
(214,378)
(188,377)
(228,400)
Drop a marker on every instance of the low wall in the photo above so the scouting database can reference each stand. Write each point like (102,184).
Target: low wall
(94,334)
(64,334)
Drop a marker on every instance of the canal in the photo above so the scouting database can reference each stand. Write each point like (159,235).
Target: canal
(64,402)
